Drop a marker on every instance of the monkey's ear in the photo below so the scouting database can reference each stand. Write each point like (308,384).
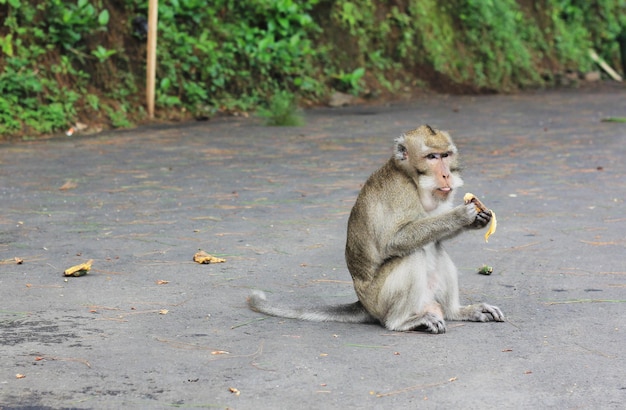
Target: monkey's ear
(400,152)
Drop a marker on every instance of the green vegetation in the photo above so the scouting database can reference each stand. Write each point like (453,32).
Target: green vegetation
(64,61)
(282,110)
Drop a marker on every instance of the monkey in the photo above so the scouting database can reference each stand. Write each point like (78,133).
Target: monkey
(403,277)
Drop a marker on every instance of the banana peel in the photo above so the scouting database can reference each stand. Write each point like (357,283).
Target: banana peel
(79,270)
(482,208)
(204,258)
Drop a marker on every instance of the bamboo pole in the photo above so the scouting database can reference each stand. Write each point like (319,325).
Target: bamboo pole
(153,6)
(595,57)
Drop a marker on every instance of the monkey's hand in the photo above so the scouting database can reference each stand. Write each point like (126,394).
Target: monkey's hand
(483,217)
(475,218)
(468,213)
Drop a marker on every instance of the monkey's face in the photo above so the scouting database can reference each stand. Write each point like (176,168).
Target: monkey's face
(429,157)
(438,178)
(440,174)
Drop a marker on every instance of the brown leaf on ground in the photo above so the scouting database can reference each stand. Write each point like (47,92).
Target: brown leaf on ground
(16,260)
(69,184)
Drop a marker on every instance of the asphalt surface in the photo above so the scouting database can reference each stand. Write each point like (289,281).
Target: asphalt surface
(150,328)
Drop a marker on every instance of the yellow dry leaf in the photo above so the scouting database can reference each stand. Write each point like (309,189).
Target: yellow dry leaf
(163,312)
(234,391)
(203,258)
(79,270)
(216,352)
(20,376)
(162,282)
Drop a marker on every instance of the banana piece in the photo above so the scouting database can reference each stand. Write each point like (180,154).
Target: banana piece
(467,198)
(79,270)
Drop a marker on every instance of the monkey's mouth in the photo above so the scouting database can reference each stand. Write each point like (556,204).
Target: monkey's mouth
(445,190)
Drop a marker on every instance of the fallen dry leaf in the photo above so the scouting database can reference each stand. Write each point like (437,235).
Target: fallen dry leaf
(20,376)
(69,184)
(79,270)
(203,258)
(15,260)
(216,352)
(234,391)
(162,282)
(163,312)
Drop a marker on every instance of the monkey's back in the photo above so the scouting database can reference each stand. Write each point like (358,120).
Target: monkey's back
(388,200)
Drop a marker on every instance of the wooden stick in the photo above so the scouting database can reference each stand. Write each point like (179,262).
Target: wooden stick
(153,8)
(595,57)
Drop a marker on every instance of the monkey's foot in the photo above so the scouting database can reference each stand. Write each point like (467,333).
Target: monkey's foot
(482,312)
(427,322)
(432,324)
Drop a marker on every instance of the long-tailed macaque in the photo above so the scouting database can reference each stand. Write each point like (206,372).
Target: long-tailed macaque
(402,276)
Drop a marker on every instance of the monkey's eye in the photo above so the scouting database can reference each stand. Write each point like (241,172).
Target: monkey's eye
(438,156)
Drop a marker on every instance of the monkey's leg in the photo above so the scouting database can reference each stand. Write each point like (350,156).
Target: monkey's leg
(448,296)
(406,300)
(429,320)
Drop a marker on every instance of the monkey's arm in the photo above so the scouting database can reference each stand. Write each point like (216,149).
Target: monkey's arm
(418,233)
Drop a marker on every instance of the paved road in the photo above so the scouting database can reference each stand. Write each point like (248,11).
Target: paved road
(274,203)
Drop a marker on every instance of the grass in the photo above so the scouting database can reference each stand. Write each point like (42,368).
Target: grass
(282,110)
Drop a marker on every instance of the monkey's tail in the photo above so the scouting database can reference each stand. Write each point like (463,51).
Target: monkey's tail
(348,313)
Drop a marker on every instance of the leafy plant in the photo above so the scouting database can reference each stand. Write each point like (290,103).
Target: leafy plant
(213,54)
(68,23)
(61,61)
(119,117)
(44,90)
(350,82)
(102,54)
(282,110)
